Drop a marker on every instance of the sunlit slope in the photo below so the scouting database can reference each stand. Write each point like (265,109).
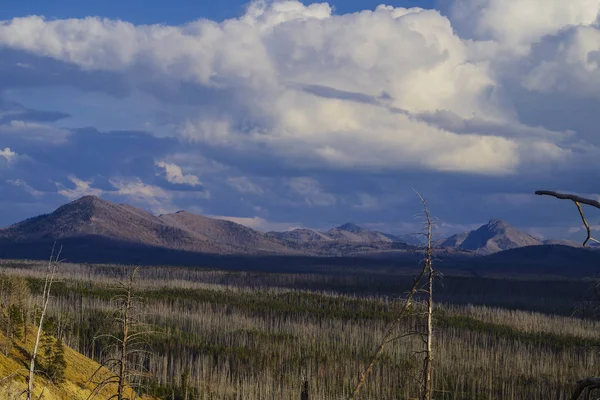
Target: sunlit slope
(77,374)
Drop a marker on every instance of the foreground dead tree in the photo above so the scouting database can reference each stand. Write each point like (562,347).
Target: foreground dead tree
(50,275)
(586,386)
(428,361)
(426,272)
(126,351)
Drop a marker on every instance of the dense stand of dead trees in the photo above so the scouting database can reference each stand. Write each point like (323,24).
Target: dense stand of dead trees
(585,387)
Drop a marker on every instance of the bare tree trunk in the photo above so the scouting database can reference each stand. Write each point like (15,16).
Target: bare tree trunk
(123,362)
(25,320)
(427,367)
(52,264)
(8,343)
(387,337)
(122,367)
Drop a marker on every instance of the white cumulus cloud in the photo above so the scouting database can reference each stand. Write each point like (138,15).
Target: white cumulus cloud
(311,192)
(157,199)
(519,23)
(174,174)
(9,155)
(82,188)
(342,91)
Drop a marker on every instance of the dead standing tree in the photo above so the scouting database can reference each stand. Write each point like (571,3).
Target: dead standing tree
(126,351)
(428,361)
(388,337)
(50,275)
(586,386)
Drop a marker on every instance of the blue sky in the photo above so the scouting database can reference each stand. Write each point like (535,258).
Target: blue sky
(173,12)
(286,114)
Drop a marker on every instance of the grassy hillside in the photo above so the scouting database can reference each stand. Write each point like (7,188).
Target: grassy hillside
(76,385)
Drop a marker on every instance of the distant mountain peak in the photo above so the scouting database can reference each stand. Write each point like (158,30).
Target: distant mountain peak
(495,236)
(89,199)
(495,222)
(88,203)
(350,227)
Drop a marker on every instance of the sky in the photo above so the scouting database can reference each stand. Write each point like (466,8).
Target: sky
(285,114)
(173,12)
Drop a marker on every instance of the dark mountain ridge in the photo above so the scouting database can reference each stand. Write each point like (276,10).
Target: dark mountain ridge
(92,216)
(96,230)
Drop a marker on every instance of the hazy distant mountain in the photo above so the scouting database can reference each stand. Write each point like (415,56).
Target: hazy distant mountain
(92,221)
(354,233)
(301,235)
(413,239)
(515,237)
(563,242)
(92,216)
(351,227)
(491,238)
(452,241)
(347,233)
(224,232)
(102,230)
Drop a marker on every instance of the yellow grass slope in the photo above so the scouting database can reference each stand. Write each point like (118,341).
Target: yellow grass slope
(15,368)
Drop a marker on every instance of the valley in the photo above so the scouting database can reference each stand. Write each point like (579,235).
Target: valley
(244,335)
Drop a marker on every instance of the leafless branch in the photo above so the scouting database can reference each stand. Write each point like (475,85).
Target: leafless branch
(567,196)
(578,202)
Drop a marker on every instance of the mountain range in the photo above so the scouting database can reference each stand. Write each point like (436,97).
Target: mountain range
(91,221)
(347,232)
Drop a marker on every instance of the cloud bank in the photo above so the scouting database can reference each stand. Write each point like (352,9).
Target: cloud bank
(293,104)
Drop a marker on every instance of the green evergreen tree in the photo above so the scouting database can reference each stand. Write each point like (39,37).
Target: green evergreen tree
(58,364)
(14,298)
(48,341)
(17,324)
(19,294)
